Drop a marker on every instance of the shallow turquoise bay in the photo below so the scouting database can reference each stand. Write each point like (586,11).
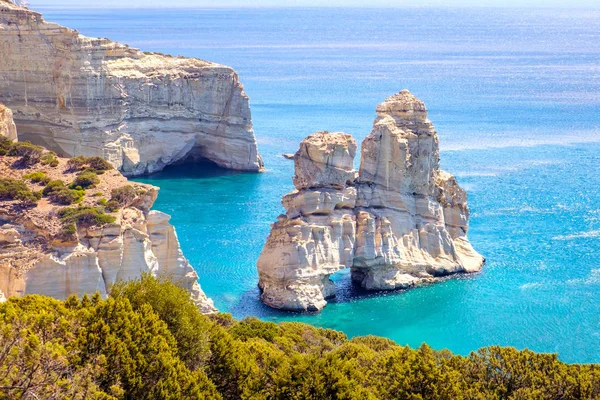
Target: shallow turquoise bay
(515,97)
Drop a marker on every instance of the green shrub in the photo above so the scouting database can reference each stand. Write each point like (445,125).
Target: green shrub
(5,145)
(112,205)
(97,194)
(65,196)
(85,180)
(95,163)
(50,159)
(102,202)
(58,193)
(68,230)
(85,216)
(52,186)
(13,189)
(30,154)
(37,177)
(124,196)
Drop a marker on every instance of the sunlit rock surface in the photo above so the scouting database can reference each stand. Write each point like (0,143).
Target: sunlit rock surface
(141,111)
(401,222)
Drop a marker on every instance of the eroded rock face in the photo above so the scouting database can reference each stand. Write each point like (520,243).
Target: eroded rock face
(316,236)
(82,96)
(36,258)
(7,124)
(403,221)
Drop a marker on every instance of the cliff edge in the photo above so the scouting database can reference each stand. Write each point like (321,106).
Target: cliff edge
(397,222)
(77,226)
(141,111)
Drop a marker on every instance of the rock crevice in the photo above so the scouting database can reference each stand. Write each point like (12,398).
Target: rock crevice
(400,222)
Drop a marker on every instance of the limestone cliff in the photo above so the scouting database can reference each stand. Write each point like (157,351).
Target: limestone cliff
(402,222)
(40,255)
(7,124)
(82,96)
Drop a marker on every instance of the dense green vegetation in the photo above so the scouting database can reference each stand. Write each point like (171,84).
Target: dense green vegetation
(148,341)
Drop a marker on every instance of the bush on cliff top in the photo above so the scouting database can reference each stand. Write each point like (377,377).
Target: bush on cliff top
(14,189)
(85,216)
(50,159)
(37,177)
(149,341)
(85,180)
(94,163)
(30,154)
(58,193)
(122,197)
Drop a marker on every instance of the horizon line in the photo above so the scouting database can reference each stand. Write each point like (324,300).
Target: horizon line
(229,7)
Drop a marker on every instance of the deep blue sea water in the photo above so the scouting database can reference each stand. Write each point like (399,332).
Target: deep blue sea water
(515,97)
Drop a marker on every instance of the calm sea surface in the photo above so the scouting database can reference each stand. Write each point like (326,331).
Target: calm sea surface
(515,97)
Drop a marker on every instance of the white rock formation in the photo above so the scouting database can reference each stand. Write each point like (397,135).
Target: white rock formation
(403,221)
(7,124)
(78,95)
(35,259)
(316,236)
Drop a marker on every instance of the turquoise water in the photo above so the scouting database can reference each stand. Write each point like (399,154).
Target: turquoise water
(515,97)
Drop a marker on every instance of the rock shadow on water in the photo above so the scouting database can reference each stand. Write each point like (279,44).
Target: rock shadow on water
(196,170)
(347,291)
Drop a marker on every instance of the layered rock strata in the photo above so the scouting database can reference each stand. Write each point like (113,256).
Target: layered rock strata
(401,222)
(141,111)
(36,257)
(315,237)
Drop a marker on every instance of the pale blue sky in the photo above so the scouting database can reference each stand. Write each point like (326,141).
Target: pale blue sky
(313,3)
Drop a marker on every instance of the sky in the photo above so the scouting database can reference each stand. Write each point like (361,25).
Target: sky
(311,3)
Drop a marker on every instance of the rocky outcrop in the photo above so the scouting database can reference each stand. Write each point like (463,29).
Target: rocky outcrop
(141,111)
(316,236)
(37,257)
(401,222)
(7,124)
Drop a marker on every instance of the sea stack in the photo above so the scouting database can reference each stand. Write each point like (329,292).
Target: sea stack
(315,237)
(141,111)
(401,222)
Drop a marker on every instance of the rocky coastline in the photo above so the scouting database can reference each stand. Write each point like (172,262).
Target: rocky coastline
(77,226)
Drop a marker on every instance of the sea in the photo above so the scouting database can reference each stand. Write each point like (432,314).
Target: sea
(515,97)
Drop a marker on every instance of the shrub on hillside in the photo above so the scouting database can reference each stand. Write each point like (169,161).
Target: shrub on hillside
(123,196)
(86,216)
(14,189)
(58,193)
(5,145)
(85,180)
(95,163)
(37,177)
(148,340)
(30,154)
(50,159)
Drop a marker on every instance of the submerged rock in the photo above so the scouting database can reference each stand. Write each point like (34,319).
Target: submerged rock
(403,221)
(141,111)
